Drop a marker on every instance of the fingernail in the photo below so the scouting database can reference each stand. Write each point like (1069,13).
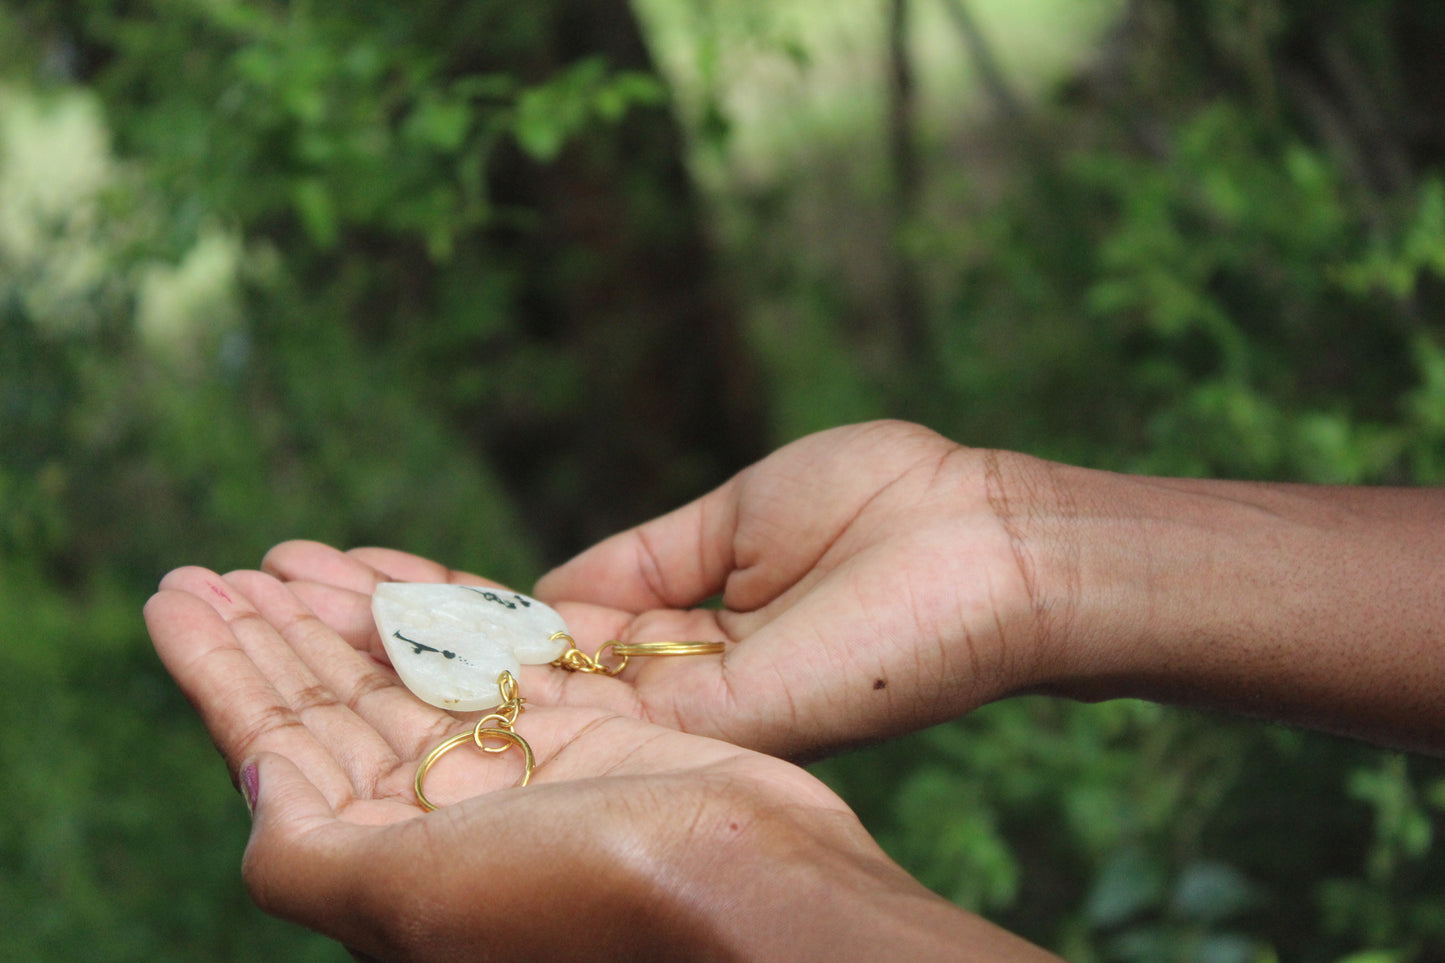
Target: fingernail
(250,786)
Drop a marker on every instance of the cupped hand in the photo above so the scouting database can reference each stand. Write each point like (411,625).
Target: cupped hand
(870,580)
(632,840)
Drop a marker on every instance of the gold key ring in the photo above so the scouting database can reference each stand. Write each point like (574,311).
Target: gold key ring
(504,716)
(502,719)
(475,736)
(576,660)
(626,649)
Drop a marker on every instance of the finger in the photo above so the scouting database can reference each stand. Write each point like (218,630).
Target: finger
(760,533)
(288,644)
(241,709)
(337,585)
(347,612)
(334,585)
(356,706)
(350,882)
(674,561)
(359,569)
(271,639)
(309,561)
(395,566)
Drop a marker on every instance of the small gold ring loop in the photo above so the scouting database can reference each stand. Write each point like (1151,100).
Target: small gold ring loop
(626,649)
(529,760)
(572,658)
(604,668)
(507,687)
(502,722)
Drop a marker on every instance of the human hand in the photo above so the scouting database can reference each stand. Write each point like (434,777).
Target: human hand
(879,578)
(632,841)
(871,578)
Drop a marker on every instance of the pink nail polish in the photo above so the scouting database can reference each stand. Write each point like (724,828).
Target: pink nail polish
(250,786)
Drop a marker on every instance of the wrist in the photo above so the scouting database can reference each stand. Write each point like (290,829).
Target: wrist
(1066,586)
(1312,605)
(1130,579)
(1121,574)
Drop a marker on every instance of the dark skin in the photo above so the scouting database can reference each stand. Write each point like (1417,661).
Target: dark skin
(633,841)
(874,579)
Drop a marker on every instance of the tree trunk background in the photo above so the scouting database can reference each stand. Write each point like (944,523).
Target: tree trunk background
(620,278)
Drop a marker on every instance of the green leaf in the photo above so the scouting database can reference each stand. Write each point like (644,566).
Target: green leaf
(440,123)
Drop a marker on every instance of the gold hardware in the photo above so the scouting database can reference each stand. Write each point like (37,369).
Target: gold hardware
(575,660)
(504,718)
(498,725)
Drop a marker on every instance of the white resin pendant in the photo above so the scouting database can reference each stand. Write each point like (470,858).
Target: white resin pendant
(450,643)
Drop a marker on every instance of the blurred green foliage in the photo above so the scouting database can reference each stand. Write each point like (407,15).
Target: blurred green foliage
(362,273)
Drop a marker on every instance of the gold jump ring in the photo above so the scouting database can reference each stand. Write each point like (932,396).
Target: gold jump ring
(605,669)
(529,760)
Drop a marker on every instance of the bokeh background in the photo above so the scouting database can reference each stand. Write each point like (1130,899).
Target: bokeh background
(488,280)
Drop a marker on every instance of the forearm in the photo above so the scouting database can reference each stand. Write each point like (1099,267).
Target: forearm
(1311,605)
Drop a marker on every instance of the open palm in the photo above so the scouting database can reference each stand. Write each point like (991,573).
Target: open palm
(341,845)
(865,579)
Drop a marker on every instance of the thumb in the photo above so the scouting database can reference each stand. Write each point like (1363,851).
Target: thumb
(277,792)
(290,866)
(674,561)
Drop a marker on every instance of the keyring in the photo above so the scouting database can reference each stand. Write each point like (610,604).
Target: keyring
(505,717)
(575,660)
(475,736)
(450,643)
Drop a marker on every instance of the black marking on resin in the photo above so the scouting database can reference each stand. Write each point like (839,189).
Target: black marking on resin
(417,648)
(491,596)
